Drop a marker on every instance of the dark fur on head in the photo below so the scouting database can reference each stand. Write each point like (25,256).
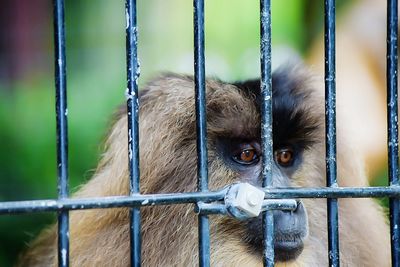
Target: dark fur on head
(292,120)
(168,164)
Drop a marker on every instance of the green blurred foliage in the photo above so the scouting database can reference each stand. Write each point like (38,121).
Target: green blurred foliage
(96,86)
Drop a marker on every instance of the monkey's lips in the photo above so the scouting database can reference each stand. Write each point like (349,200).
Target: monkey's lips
(288,246)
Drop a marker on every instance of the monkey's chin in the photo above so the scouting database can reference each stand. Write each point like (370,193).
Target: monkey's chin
(288,249)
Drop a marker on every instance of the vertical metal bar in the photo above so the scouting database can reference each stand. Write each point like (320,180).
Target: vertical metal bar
(133,72)
(201,127)
(62,129)
(330,125)
(266,124)
(393,142)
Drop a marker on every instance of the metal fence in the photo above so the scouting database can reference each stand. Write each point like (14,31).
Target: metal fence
(332,192)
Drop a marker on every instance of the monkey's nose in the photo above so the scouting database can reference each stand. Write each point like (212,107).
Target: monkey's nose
(291,222)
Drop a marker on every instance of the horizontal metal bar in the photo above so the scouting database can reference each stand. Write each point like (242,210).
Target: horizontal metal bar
(193,197)
(109,202)
(333,192)
(279,204)
(210,208)
(268,204)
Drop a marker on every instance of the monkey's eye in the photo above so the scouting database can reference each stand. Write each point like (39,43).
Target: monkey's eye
(246,155)
(284,157)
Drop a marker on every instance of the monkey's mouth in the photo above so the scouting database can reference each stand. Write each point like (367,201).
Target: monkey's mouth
(288,246)
(290,232)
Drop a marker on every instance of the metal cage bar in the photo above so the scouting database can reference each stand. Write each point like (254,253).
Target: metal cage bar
(62,130)
(201,127)
(266,125)
(30,206)
(392,120)
(330,126)
(133,72)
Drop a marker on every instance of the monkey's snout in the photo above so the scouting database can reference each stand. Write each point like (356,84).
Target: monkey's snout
(290,230)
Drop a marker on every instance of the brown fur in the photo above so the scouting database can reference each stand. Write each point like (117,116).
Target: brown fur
(168,164)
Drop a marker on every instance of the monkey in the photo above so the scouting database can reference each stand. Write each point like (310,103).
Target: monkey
(167,129)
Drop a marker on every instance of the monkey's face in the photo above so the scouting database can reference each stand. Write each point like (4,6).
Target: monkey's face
(290,227)
(239,151)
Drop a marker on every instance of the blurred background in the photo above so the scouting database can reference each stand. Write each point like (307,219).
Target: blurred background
(96,79)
